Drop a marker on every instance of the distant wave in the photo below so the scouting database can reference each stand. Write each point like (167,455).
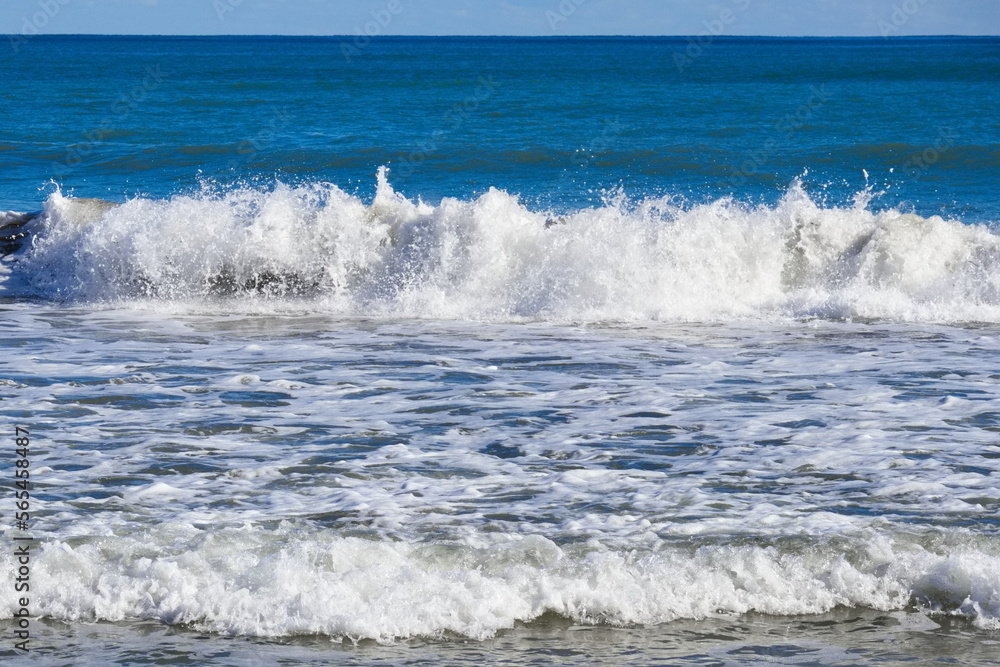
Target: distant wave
(493,258)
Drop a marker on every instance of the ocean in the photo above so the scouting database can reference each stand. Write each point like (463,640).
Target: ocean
(500,351)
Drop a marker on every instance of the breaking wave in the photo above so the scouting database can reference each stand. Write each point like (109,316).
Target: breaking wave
(252,582)
(492,258)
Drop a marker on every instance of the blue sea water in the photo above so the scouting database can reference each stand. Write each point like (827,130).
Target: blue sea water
(555,121)
(504,350)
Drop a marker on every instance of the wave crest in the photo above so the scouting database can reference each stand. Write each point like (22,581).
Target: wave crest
(493,258)
(252,582)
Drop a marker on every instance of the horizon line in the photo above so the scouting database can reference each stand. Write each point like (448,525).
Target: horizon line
(485,36)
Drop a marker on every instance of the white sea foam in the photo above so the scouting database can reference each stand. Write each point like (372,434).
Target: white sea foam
(457,478)
(286,581)
(454,477)
(493,258)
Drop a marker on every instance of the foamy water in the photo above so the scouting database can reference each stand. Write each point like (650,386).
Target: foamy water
(494,258)
(311,474)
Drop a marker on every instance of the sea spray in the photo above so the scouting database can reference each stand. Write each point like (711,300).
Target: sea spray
(493,258)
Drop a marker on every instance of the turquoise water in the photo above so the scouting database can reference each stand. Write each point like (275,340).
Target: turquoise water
(504,350)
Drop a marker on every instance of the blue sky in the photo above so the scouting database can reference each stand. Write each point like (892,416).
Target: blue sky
(504,17)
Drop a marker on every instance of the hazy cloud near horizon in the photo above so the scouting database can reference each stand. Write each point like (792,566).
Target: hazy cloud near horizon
(504,17)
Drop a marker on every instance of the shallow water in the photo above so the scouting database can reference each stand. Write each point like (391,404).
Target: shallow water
(305,475)
(839,638)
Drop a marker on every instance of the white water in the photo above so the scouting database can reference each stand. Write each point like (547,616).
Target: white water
(291,581)
(326,465)
(491,258)
(260,475)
